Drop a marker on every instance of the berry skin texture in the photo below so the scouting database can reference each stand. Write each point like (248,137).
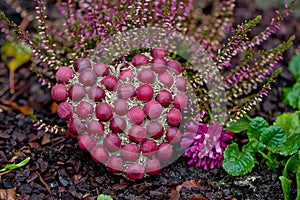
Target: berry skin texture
(84,109)
(125,91)
(96,93)
(115,164)
(110,82)
(117,124)
(87,78)
(95,127)
(85,142)
(76,92)
(65,111)
(164,97)
(64,75)
(126,74)
(137,134)
(165,151)
(148,148)
(104,112)
(175,66)
(153,166)
(135,171)
(155,130)
(82,64)
(180,83)
(120,107)
(75,126)
(159,52)
(101,69)
(112,142)
(136,115)
(166,79)
(99,154)
(59,93)
(153,109)
(139,60)
(146,76)
(144,92)
(130,152)
(158,65)
(180,101)
(173,135)
(174,117)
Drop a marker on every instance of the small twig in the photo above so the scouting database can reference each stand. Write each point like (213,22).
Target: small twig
(44,183)
(6,172)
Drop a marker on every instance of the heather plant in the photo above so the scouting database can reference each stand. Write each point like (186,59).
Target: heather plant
(141,82)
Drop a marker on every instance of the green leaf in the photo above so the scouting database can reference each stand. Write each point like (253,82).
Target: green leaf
(292,164)
(256,128)
(286,91)
(15,166)
(291,145)
(253,147)
(273,137)
(293,96)
(294,66)
(286,187)
(295,123)
(298,183)
(240,125)
(284,120)
(104,197)
(237,163)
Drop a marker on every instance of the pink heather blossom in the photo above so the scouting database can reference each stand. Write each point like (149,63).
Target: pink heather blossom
(205,144)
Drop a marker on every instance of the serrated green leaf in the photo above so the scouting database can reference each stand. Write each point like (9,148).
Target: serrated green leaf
(295,124)
(15,166)
(293,96)
(273,137)
(237,163)
(284,120)
(286,187)
(253,147)
(104,197)
(256,128)
(294,66)
(291,145)
(240,125)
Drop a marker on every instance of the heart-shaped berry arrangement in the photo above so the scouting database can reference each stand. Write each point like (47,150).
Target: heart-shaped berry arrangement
(126,116)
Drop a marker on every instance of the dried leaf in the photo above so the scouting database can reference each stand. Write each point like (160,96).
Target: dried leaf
(197,198)
(8,194)
(174,194)
(25,110)
(54,107)
(46,139)
(190,184)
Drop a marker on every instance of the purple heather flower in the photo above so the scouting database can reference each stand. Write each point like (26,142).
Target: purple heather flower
(205,144)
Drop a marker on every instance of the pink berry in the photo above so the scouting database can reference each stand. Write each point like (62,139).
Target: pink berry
(84,109)
(144,92)
(64,75)
(125,91)
(158,65)
(115,164)
(180,101)
(87,78)
(99,154)
(59,93)
(76,126)
(165,151)
(65,111)
(130,152)
(110,82)
(173,135)
(175,66)
(95,127)
(96,93)
(153,166)
(146,76)
(85,142)
(159,52)
(140,60)
(135,171)
(82,64)
(72,134)
(137,134)
(117,124)
(112,142)
(76,92)
(126,74)
(148,148)
(166,79)
(104,112)
(181,83)
(136,115)
(164,97)
(174,117)
(120,107)
(155,130)
(101,69)
(153,109)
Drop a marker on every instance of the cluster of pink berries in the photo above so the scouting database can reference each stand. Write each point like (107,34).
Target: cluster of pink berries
(126,116)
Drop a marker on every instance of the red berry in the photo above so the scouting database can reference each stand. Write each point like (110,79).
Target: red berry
(148,148)
(155,130)
(59,93)
(136,115)
(117,124)
(144,92)
(158,65)
(173,135)
(159,52)
(76,92)
(120,107)
(164,97)
(110,82)
(175,66)
(84,109)
(95,127)
(99,154)
(137,134)
(166,79)
(165,151)
(112,142)
(174,117)
(101,69)
(126,91)
(126,74)
(104,112)
(146,76)
(153,109)
(135,171)
(65,111)
(85,142)
(72,134)
(76,126)
(181,83)
(130,152)
(96,93)
(140,60)
(64,75)
(82,64)
(115,164)
(180,101)
(87,78)
(153,166)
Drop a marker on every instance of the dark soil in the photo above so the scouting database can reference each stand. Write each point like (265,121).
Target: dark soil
(58,169)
